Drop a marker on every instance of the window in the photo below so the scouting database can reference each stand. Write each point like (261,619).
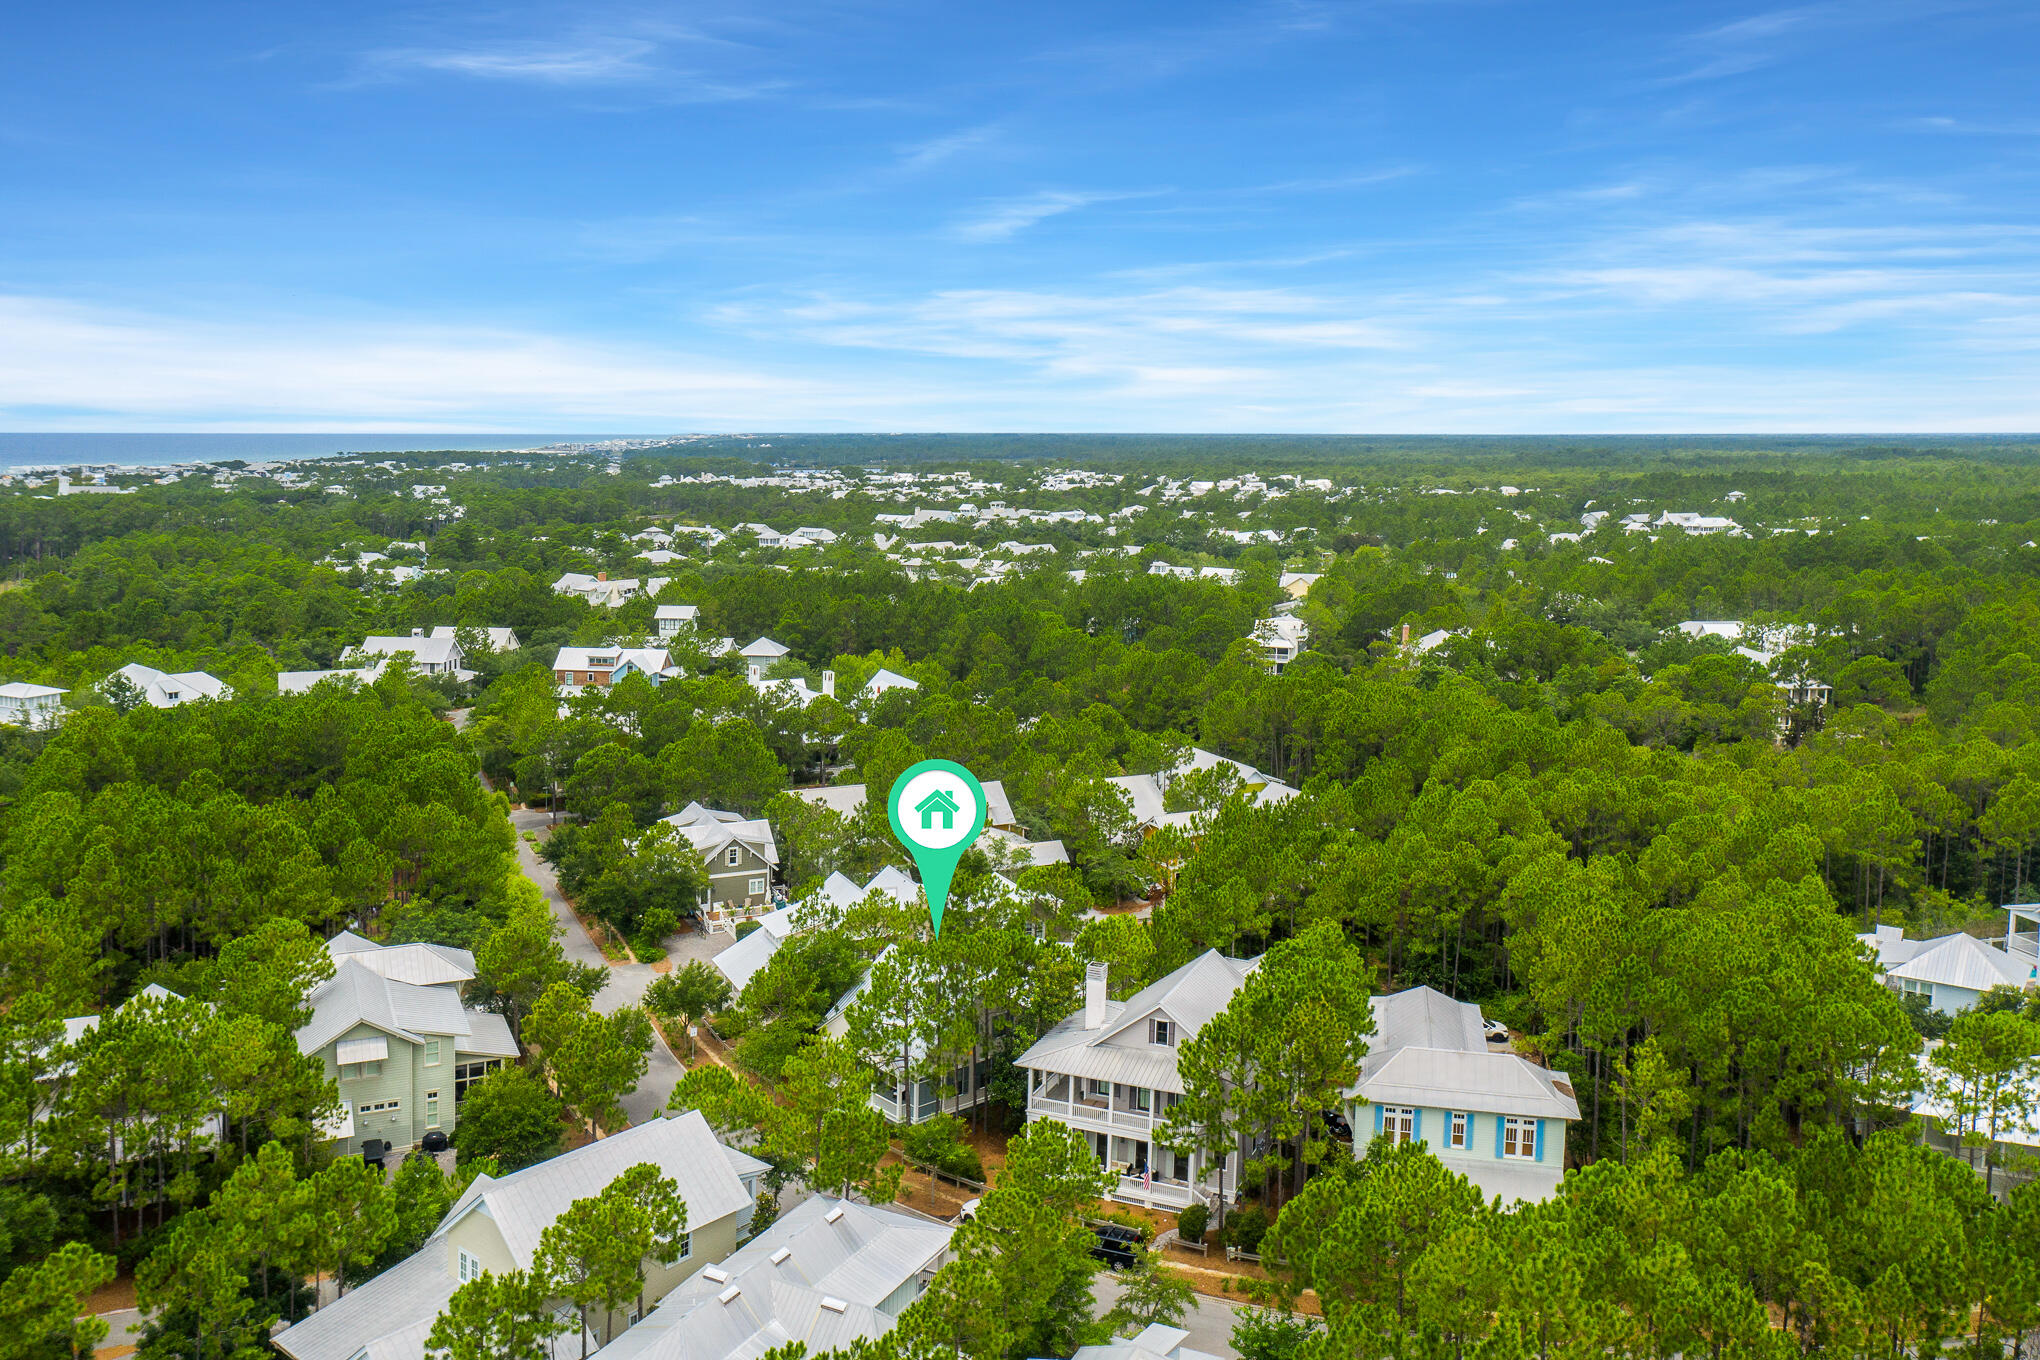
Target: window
(468,1073)
(1519,1138)
(1458,1136)
(1159,1031)
(470,1268)
(686,1245)
(1141,1098)
(360,1071)
(432,1109)
(1099,1088)
(432,1052)
(1398,1125)
(735,856)
(757,888)
(378,1107)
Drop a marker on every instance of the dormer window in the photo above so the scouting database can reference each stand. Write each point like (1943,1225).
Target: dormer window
(1161,1032)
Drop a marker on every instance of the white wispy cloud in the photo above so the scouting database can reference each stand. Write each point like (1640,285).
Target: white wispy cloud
(926,155)
(1002,219)
(577,62)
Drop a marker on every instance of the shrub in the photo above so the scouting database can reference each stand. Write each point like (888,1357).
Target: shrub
(939,1143)
(1245,1228)
(511,1116)
(646,951)
(745,928)
(1192,1222)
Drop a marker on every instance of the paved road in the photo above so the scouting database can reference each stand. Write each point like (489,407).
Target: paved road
(1209,1322)
(627,981)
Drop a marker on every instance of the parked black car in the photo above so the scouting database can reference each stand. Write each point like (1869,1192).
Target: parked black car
(1117,1247)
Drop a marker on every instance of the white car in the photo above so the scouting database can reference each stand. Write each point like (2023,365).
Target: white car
(968,1211)
(1497,1032)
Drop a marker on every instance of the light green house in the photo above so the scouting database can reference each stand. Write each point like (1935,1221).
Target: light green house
(396,1039)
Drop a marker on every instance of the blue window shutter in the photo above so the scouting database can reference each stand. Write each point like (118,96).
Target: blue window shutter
(1377,1121)
(1499,1123)
(1538,1147)
(1416,1126)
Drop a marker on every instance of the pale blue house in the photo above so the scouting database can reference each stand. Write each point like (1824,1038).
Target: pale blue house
(1430,1076)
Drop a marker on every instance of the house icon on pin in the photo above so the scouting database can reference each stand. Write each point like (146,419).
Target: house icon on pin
(937,804)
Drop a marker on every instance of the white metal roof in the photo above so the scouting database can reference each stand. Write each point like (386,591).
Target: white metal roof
(524,1203)
(386,1318)
(1966,962)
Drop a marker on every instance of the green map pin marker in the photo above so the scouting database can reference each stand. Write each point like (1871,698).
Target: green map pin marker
(937,809)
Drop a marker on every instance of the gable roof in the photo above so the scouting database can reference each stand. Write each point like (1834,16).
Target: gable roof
(422,965)
(709,831)
(1966,962)
(500,639)
(410,991)
(1190,996)
(166,689)
(1427,1018)
(524,1203)
(764,648)
(386,1318)
(426,651)
(1431,1050)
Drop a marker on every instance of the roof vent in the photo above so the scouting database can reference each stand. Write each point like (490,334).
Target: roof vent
(729,1293)
(781,1255)
(715,1274)
(834,1305)
(833,1214)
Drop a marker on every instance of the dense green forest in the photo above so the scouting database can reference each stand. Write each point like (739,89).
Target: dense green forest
(1635,845)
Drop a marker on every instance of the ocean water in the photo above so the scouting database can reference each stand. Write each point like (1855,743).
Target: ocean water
(134,449)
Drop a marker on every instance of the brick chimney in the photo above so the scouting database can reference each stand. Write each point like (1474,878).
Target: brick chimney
(1406,635)
(602,576)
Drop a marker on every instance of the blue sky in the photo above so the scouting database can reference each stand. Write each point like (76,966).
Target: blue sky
(1436,215)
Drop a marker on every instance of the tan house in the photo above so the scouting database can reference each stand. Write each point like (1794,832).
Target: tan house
(496,1225)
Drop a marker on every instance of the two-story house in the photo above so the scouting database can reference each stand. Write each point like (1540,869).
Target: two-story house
(395,1037)
(741,857)
(495,1226)
(578,668)
(26,705)
(1432,1077)
(1281,638)
(670,620)
(829,1272)
(1109,1071)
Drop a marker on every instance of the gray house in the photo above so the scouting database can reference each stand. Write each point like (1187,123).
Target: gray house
(741,857)
(495,1227)
(396,1039)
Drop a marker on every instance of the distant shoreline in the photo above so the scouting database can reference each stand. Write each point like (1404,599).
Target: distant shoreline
(137,450)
